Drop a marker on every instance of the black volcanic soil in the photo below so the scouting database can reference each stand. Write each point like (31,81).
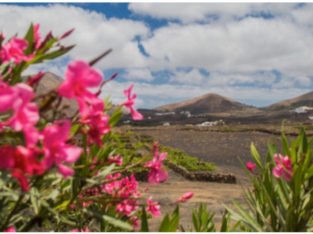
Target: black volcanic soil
(222,148)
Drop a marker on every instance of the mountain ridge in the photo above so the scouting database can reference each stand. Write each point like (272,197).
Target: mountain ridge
(207,103)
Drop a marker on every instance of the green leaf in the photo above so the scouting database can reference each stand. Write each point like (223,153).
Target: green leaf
(107,170)
(116,116)
(225,222)
(164,227)
(256,155)
(245,217)
(170,223)
(74,129)
(175,220)
(35,200)
(48,44)
(52,55)
(304,141)
(117,223)
(62,206)
(285,145)
(29,37)
(57,53)
(144,221)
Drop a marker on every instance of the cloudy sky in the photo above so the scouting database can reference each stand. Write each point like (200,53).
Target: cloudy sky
(257,53)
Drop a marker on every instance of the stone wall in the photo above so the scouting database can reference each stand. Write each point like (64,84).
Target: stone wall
(203,176)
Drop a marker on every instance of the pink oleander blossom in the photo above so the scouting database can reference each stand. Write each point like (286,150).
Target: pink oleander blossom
(135,222)
(10,229)
(7,97)
(66,34)
(112,187)
(13,50)
(56,150)
(84,229)
(185,197)
(21,162)
(153,208)
(79,77)
(283,167)
(123,188)
(33,80)
(157,172)
(37,36)
(129,104)
(250,166)
(127,206)
(118,160)
(98,122)
(25,113)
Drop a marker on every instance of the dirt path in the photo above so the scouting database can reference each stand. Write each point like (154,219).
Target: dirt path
(214,194)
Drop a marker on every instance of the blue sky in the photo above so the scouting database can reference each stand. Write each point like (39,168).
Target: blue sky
(252,52)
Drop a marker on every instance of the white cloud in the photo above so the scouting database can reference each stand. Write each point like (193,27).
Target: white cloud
(93,34)
(194,12)
(192,77)
(142,74)
(247,45)
(257,79)
(303,15)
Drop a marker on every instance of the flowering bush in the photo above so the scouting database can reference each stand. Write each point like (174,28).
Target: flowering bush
(64,174)
(281,198)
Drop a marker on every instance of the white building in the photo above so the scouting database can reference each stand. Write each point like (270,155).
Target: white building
(211,123)
(302,109)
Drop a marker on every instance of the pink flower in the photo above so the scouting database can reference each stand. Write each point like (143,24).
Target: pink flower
(116,159)
(114,186)
(185,197)
(66,34)
(79,77)
(98,122)
(135,221)
(130,103)
(153,207)
(250,166)
(283,167)
(10,229)
(56,150)
(37,36)
(7,96)
(127,207)
(124,188)
(21,162)
(157,172)
(14,51)
(84,229)
(35,79)
(25,113)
